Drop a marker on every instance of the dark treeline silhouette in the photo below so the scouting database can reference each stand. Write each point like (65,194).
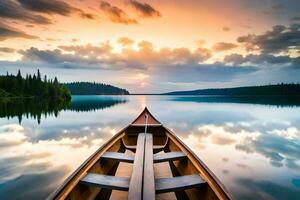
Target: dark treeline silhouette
(32,86)
(87,88)
(266,90)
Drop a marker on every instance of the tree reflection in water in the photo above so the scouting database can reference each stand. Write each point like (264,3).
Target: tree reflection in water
(36,108)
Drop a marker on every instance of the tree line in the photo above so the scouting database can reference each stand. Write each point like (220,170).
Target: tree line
(87,88)
(32,86)
(283,89)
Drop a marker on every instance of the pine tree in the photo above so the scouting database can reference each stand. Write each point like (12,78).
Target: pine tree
(39,76)
(55,81)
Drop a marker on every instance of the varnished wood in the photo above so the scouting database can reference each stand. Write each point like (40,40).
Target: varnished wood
(104,181)
(120,157)
(163,185)
(148,183)
(127,162)
(163,157)
(136,180)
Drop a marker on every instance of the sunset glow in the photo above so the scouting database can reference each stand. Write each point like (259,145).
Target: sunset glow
(153,46)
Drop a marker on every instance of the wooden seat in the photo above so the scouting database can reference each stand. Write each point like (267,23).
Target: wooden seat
(169,156)
(155,147)
(105,181)
(163,185)
(120,157)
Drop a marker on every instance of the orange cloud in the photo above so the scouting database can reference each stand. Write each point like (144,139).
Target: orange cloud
(116,14)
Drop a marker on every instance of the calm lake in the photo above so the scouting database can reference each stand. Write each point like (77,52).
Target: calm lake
(252,146)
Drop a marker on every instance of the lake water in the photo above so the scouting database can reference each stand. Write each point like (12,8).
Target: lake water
(253,147)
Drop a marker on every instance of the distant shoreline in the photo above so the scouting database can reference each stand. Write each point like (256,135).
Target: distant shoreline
(211,95)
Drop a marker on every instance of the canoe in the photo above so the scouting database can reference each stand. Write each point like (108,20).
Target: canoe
(145,160)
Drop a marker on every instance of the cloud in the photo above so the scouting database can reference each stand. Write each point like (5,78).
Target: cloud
(238,59)
(53,7)
(216,72)
(279,39)
(116,14)
(56,58)
(224,46)
(7,50)
(173,64)
(145,45)
(87,15)
(125,41)
(7,32)
(11,10)
(144,9)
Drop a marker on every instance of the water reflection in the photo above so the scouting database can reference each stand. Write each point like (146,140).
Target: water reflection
(273,100)
(31,108)
(253,149)
(29,164)
(37,108)
(93,103)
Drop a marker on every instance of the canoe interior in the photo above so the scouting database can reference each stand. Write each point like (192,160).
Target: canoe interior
(179,162)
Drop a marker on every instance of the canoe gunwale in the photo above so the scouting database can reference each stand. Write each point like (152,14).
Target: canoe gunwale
(59,192)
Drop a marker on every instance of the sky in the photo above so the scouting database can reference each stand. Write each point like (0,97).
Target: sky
(153,46)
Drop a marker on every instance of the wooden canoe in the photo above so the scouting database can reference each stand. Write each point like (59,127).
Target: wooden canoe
(146,161)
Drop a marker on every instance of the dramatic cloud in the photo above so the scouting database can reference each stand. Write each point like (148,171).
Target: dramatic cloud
(7,50)
(9,9)
(224,46)
(175,65)
(144,9)
(279,39)
(102,56)
(53,7)
(7,32)
(116,14)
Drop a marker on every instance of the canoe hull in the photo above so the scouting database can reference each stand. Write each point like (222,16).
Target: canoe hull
(171,156)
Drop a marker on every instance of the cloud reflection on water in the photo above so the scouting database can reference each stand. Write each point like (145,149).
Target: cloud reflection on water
(47,162)
(253,149)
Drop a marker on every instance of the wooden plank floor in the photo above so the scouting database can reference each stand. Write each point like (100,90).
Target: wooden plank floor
(125,170)
(163,170)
